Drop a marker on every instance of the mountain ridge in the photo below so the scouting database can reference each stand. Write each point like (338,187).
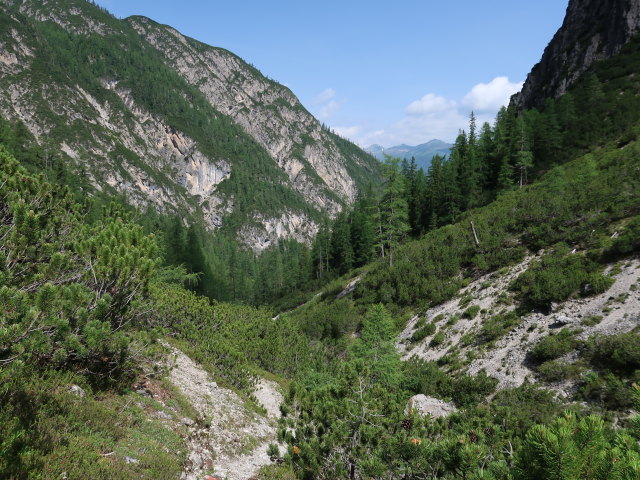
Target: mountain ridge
(210,139)
(591,31)
(423,153)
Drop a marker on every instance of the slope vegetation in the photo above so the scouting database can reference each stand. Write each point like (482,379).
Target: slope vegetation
(207,136)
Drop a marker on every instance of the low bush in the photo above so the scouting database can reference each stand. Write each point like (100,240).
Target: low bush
(628,241)
(498,325)
(438,339)
(469,390)
(554,371)
(423,332)
(554,346)
(557,276)
(471,312)
(619,353)
(607,389)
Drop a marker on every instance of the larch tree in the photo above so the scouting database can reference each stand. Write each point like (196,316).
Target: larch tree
(393,210)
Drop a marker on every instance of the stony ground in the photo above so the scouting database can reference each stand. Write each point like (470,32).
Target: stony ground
(506,359)
(230,439)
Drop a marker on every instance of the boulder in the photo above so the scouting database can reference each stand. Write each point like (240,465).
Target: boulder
(429,407)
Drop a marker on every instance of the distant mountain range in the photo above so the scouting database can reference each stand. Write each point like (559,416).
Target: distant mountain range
(423,153)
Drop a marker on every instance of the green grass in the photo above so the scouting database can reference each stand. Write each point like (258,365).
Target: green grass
(47,431)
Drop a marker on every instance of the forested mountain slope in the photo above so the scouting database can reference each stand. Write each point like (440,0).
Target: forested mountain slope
(140,110)
(478,321)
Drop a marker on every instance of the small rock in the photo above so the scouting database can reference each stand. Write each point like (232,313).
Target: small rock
(187,421)
(213,385)
(77,390)
(164,415)
(144,393)
(131,460)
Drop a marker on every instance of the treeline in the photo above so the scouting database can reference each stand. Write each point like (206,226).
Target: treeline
(226,270)
(484,163)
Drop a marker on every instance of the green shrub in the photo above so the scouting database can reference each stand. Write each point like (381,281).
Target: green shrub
(69,291)
(438,339)
(422,333)
(554,371)
(554,346)
(273,450)
(591,320)
(420,376)
(469,390)
(620,353)
(466,300)
(627,242)
(608,390)
(498,325)
(277,472)
(557,276)
(471,312)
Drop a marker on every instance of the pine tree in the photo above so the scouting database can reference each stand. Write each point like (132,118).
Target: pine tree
(341,250)
(434,194)
(393,216)
(363,233)
(524,159)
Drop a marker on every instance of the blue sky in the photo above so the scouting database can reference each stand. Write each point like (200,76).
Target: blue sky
(386,72)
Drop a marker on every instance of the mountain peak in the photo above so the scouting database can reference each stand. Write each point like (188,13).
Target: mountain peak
(592,30)
(422,153)
(192,129)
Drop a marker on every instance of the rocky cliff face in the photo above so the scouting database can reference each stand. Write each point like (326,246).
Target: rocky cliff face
(238,144)
(267,111)
(592,30)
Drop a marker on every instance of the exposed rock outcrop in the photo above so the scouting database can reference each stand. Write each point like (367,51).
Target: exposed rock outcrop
(592,30)
(199,162)
(429,407)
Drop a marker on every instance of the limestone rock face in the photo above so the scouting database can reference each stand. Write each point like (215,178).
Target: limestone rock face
(592,30)
(105,129)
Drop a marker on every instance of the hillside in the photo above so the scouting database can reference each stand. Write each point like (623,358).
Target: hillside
(476,321)
(139,110)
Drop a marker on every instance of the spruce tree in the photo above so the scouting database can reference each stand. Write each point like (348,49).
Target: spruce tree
(393,209)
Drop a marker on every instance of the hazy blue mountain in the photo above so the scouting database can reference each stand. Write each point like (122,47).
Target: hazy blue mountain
(423,153)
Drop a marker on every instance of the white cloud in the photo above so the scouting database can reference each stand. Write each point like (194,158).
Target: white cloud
(429,104)
(348,132)
(490,97)
(325,104)
(329,109)
(431,116)
(324,96)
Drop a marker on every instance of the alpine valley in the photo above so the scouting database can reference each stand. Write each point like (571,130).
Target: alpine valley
(199,280)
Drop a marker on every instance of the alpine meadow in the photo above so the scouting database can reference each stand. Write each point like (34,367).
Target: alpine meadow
(200,280)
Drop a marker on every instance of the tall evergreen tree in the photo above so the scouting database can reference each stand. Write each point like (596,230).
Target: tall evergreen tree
(341,250)
(393,216)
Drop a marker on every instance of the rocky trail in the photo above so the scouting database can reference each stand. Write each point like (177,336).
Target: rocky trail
(230,439)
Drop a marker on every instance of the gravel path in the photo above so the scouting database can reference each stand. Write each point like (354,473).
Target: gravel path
(229,441)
